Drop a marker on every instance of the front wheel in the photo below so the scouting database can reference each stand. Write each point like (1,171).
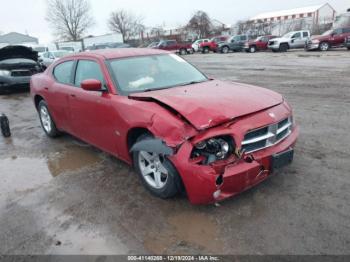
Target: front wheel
(46,120)
(157,173)
(225,49)
(183,51)
(283,48)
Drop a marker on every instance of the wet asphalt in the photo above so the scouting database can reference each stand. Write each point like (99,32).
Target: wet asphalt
(61,196)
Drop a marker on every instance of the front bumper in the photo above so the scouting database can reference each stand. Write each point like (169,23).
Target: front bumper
(275,46)
(312,46)
(201,180)
(9,83)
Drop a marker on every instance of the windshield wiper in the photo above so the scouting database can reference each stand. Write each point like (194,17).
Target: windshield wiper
(193,82)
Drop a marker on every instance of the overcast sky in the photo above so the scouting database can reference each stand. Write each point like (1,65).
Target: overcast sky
(28,16)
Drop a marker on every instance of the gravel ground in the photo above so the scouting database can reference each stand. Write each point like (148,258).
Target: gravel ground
(64,197)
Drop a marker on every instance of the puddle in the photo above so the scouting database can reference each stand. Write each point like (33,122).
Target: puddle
(188,231)
(21,174)
(73,158)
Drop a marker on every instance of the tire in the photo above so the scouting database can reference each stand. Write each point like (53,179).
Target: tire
(205,50)
(47,123)
(225,49)
(324,46)
(283,48)
(252,49)
(183,51)
(348,48)
(167,185)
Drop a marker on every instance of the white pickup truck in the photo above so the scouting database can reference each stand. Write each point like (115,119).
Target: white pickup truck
(291,40)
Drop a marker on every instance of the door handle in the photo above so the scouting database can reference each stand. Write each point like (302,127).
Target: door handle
(73,95)
(46,88)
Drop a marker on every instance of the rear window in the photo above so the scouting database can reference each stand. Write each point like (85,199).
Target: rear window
(63,72)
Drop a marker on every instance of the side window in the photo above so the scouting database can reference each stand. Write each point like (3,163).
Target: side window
(338,31)
(346,30)
(63,72)
(46,55)
(264,39)
(206,40)
(297,35)
(305,34)
(243,38)
(87,69)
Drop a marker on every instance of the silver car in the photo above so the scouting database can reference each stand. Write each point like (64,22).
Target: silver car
(291,40)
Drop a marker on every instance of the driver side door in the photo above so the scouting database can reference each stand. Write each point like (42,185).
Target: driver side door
(91,112)
(297,41)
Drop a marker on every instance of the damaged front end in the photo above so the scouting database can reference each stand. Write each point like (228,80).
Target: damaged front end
(215,164)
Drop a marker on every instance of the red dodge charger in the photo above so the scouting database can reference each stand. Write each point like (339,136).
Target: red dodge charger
(182,131)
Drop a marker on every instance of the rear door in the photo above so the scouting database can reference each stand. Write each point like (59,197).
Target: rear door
(91,113)
(338,37)
(58,94)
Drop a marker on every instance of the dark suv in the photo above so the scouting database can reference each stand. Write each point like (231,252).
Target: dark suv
(330,38)
(347,42)
(235,44)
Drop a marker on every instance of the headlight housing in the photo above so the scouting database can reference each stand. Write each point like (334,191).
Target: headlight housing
(5,72)
(315,41)
(213,149)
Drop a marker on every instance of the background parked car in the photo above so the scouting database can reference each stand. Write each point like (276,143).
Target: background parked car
(48,58)
(196,44)
(17,65)
(291,40)
(212,45)
(173,45)
(330,38)
(347,42)
(234,43)
(258,44)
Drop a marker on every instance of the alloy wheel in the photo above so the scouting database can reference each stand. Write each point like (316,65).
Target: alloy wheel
(45,119)
(152,169)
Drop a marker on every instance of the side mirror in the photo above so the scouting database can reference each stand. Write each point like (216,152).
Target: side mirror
(91,85)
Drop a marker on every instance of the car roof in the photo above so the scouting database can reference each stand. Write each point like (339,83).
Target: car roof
(115,53)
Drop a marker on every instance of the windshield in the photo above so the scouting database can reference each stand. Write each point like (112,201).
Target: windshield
(327,32)
(39,49)
(288,35)
(153,72)
(60,54)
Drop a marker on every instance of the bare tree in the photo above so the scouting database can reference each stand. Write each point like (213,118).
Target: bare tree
(200,23)
(69,18)
(126,23)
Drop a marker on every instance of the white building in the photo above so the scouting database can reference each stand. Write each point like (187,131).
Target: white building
(310,17)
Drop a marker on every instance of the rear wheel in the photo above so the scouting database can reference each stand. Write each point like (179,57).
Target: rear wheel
(324,46)
(46,120)
(252,49)
(157,173)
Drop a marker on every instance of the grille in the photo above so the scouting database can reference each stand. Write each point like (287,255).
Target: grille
(17,73)
(271,42)
(267,136)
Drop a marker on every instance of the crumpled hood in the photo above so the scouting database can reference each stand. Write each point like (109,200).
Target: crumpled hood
(214,102)
(17,51)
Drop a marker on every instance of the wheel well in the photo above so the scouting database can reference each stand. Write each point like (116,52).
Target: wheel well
(285,44)
(37,100)
(134,134)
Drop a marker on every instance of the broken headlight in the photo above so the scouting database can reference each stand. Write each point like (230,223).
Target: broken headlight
(213,149)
